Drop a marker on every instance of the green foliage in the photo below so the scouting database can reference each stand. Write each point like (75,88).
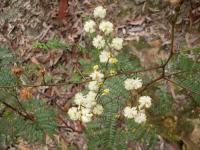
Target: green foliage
(127,62)
(6,78)
(43,124)
(102,132)
(163,104)
(51,44)
(6,57)
(87,64)
(13,126)
(110,132)
(189,78)
(37,120)
(7,130)
(145,133)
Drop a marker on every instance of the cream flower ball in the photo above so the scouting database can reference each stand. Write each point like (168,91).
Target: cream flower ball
(117,43)
(106,27)
(79,99)
(98,42)
(131,84)
(86,115)
(130,112)
(104,56)
(74,113)
(90,100)
(91,96)
(93,86)
(89,26)
(97,75)
(98,109)
(140,117)
(145,101)
(89,104)
(99,12)
(86,119)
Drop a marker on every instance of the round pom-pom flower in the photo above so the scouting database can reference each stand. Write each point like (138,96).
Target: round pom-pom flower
(79,99)
(93,86)
(89,26)
(97,75)
(104,56)
(90,100)
(117,43)
(98,42)
(144,101)
(74,113)
(106,27)
(86,115)
(98,109)
(131,84)
(140,117)
(130,112)
(99,12)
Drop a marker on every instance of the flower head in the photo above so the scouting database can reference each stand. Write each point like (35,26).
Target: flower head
(140,117)
(97,75)
(98,109)
(117,43)
(98,42)
(90,100)
(130,112)
(93,86)
(106,27)
(91,96)
(144,101)
(74,113)
(86,115)
(79,99)
(99,12)
(131,84)
(104,56)
(89,26)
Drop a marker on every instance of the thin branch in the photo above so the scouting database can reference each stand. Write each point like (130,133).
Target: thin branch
(158,79)
(150,84)
(170,56)
(174,20)
(177,84)
(84,81)
(27,117)
(65,123)
(79,72)
(137,71)
(24,110)
(51,84)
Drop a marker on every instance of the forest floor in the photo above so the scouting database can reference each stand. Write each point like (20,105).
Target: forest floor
(144,24)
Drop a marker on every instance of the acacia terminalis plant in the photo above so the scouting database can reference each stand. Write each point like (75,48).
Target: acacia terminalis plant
(120,104)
